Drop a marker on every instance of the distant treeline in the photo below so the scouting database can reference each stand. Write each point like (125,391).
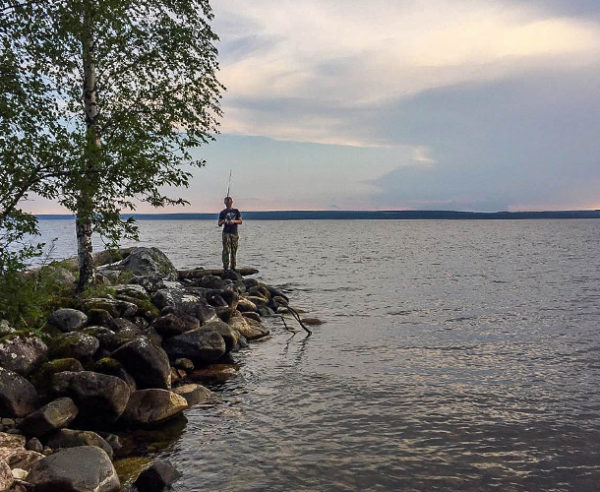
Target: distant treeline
(362,215)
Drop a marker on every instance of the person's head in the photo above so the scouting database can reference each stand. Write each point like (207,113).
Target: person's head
(228,201)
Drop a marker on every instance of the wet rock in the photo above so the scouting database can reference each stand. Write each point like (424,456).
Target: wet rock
(6,477)
(99,397)
(248,328)
(200,345)
(24,459)
(231,275)
(79,469)
(250,282)
(172,324)
(185,364)
(157,477)
(147,363)
(252,316)
(214,373)
(260,290)
(68,319)
(74,345)
(112,367)
(246,305)
(196,394)
(67,438)
(11,444)
(229,334)
(34,444)
(153,406)
(258,300)
(149,262)
(211,282)
(216,300)
(265,311)
(199,310)
(22,354)
(18,396)
(54,415)
(275,292)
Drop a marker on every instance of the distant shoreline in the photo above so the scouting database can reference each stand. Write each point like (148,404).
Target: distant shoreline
(364,215)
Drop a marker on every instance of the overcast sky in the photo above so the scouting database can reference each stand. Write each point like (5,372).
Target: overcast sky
(405,104)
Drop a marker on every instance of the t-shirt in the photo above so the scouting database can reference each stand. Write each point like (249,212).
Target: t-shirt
(230,214)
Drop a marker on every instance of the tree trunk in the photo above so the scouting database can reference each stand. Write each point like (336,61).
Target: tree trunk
(85,203)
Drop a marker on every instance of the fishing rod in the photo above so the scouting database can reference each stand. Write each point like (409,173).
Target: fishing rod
(229,183)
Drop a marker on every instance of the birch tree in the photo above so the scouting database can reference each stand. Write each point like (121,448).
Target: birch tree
(135,87)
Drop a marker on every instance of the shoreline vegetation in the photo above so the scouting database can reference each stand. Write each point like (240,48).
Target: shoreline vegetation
(96,381)
(362,215)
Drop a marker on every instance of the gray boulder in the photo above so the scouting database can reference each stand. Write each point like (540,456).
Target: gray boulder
(115,307)
(200,345)
(229,334)
(153,406)
(68,319)
(79,469)
(67,438)
(74,345)
(149,262)
(18,396)
(131,290)
(22,354)
(24,459)
(172,324)
(156,477)
(147,363)
(54,415)
(99,397)
(112,367)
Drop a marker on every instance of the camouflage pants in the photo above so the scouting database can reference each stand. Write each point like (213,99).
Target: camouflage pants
(230,246)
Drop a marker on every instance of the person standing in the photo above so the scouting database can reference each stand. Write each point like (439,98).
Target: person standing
(229,218)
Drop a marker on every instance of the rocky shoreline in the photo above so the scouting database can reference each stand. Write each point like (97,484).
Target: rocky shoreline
(79,400)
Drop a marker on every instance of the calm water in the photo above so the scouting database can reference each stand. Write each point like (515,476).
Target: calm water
(456,355)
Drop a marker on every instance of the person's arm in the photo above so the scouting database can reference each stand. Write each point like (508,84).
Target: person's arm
(221,220)
(238,219)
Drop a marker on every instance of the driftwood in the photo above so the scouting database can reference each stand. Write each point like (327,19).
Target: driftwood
(200,272)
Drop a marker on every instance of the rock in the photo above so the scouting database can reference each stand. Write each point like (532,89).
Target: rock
(18,396)
(163,298)
(231,298)
(67,438)
(275,292)
(112,367)
(212,282)
(215,299)
(34,444)
(24,459)
(99,397)
(68,319)
(260,290)
(149,262)
(246,305)
(100,317)
(278,301)
(199,345)
(258,300)
(150,282)
(199,310)
(147,363)
(22,354)
(229,334)
(157,477)
(173,324)
(19,474)
(6,476)
(74,345)
(185,364)
(124,326)
(253,316)
(11,444)
(108,339)
(116,308)
(248,328)
(250,282)
(113,441)
(79,469)
(43,377)
(5,328)
(54,415)
(231,275)
(265,311)
(153,406)
(131,290)
(196,394)
(214,373)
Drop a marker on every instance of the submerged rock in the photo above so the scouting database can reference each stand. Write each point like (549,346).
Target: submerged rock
(79,469)
(147,363)
(99,397)
(18,396)
(157,477)
(54,415)
(153,406)
(67,319)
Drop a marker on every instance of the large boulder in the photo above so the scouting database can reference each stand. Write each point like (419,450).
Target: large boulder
(248,328)
(156,477)
(246,305)
(99,397)
(67,438)
(112,367)
(172,324)
(43,377)
(79,469)
(153,406)
(74,345)
(22,354)
(54,415)
(200,345)
(18,396)
(147,363)
(131,290)
(6,476)
(230,336)
(66,319)
(148,262)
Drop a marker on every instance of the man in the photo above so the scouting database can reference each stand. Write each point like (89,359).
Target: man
(230,217)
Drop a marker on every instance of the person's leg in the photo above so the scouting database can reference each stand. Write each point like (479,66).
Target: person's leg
(226,250)
(234,247)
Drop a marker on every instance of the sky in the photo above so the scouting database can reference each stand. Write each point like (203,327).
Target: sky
(478,105)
